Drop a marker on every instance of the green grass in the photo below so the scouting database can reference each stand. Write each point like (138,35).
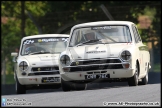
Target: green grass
(157,67)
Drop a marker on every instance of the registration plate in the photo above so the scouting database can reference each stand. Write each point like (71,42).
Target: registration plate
(50,79)
(97,76)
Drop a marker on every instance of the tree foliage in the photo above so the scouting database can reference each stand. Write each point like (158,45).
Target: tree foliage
(11,25)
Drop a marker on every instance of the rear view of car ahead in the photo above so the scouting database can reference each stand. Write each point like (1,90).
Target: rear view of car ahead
(36,64)
(104,51)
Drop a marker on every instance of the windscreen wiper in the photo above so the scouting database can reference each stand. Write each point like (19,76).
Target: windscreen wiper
(55,52)
(40,52)
(89,41)
(106,36)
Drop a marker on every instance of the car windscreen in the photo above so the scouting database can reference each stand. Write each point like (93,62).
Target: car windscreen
(44,45)
(106,34)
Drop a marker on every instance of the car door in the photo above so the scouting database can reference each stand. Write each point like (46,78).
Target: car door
(140,51)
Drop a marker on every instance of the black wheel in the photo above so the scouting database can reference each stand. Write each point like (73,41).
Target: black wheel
(57,86)
(65,85)
(20,89)
(133,81)
(145,79)
(80,86)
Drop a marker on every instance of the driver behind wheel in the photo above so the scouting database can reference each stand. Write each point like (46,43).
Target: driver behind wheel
(90,36)
(87,35)
(31,48)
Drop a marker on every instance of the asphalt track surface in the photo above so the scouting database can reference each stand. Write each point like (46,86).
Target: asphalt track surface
(146,95)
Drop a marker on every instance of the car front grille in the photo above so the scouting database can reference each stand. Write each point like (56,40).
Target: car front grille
(44,71)
(95,61)
(96,67)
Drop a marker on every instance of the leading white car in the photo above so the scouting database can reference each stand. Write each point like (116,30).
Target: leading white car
(104,51)
(36,64)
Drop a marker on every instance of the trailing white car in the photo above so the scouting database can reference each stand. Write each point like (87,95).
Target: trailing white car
(104,51)
(36,64)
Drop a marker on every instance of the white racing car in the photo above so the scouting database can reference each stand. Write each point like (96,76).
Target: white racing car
(104,51)
(36,64)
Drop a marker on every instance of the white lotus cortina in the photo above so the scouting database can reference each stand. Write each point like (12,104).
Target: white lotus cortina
(36,64)
(104,51)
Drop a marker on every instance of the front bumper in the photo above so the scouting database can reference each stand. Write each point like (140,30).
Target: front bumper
(31,80)
(112,73)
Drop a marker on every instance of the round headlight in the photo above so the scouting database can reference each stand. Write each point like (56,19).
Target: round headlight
(65,60)
(23,66)
(125,55)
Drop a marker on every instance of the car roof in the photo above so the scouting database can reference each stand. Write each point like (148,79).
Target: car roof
(45,35)
(103,23)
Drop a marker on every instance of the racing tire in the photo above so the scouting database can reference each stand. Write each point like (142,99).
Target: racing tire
(133,81)
(20,89)
(80,86)
(57,86)
(65,85)
(145,79)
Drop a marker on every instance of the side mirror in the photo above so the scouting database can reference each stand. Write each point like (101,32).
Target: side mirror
(14,59)
(15,54)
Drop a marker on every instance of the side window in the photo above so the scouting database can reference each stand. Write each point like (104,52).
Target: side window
(135,34)
(139,38)
(74,37)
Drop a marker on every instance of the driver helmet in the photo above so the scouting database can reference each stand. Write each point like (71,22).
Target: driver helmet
(89,35)
(30,48)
